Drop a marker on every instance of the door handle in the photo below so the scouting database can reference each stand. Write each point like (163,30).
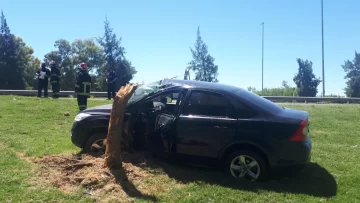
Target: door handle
(220,126)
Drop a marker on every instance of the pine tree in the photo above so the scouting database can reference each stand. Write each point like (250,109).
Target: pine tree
(352,70)
(113,50)
(114,54)
(13,58)
(5,31)
(203,62)
(305,79)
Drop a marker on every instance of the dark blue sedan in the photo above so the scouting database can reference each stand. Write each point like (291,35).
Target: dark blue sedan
(205,123)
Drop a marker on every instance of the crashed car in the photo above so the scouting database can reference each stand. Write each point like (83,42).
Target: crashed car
(205,123)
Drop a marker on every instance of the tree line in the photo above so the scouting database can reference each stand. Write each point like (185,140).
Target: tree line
(307,83)
(18,64)
(305,80)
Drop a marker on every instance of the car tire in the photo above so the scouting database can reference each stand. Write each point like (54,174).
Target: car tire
(253,167)
(97,138)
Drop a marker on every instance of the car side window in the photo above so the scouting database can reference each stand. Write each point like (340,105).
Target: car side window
(244,112)
(208,104)
(168,101)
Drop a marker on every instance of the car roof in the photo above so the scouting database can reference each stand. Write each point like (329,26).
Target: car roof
(200,84)
(249,97)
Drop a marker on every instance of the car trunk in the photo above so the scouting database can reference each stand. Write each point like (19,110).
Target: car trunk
(294,114)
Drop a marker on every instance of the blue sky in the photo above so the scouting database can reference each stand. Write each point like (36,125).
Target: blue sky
(157,34)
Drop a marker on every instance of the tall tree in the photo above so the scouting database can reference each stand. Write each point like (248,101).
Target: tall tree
(29,72)
(352,70)
(13,57)
(88,51)
(5,31)
(125,72)
(203,62)
(113,50)
(68,55)
(305,80)
(63,59)
(115,57)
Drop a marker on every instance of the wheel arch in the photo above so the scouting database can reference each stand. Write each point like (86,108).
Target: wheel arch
(96,125)
(244,146)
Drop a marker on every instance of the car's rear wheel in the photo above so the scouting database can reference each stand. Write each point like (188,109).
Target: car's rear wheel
(95,144)
(246,165)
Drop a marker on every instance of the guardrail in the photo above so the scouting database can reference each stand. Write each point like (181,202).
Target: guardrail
(271,98)
(34,93)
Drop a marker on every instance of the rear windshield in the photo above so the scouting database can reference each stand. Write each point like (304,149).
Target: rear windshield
(259,101)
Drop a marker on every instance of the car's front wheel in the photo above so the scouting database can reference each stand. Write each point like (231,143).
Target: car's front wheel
(246,165)
(95,144)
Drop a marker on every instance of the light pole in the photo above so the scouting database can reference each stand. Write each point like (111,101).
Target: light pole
(322,39)
(262,62)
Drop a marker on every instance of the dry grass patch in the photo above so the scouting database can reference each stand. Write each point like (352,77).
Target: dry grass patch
(70,173)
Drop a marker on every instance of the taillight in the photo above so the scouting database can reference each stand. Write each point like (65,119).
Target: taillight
(301,133)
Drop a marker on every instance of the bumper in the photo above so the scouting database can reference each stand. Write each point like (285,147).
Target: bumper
(82,130)
(78,135)
(293,154)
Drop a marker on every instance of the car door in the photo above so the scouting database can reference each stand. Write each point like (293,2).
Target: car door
(162,139)
(205,125)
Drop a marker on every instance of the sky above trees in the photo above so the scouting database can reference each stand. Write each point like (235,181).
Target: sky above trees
(158,35)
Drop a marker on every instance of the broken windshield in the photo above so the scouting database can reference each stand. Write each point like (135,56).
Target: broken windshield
(145,90)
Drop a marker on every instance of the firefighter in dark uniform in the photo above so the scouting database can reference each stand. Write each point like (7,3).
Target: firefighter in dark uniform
(111,80)
(187,74)
(82,86)
(55,80)
(43,75)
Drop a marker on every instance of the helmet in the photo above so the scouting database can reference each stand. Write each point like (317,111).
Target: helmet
(83,66)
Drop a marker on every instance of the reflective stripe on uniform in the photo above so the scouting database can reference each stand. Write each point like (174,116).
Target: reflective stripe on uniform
(86,83)
(84,106)
(77,85)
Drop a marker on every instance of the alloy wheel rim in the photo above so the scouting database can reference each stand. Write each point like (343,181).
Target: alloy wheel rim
(98,146)
(245,167)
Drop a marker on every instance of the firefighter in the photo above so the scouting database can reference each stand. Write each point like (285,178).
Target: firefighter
(82,86)
(43,75)
(55,79)
(187,74)
(111,80)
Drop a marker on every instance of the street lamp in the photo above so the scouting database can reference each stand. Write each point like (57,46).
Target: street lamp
(322,39)
(262,62)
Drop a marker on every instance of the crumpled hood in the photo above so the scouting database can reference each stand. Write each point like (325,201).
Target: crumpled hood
(103,109)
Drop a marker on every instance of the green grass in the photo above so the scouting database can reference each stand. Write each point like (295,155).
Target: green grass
(37,127)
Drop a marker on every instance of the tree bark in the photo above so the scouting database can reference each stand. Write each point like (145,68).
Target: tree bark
(115,130)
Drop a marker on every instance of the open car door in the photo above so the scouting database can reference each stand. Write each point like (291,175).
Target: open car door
(161,141)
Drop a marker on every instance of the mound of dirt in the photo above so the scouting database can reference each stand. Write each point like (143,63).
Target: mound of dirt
(73,172)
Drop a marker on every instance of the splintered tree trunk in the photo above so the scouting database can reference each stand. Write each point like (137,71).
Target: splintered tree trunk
(115,132)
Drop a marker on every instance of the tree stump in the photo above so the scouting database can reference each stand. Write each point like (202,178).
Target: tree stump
(115,130)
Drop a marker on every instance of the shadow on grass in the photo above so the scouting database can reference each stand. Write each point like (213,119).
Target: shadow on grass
(122,179)
(128,187)
(312,180)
